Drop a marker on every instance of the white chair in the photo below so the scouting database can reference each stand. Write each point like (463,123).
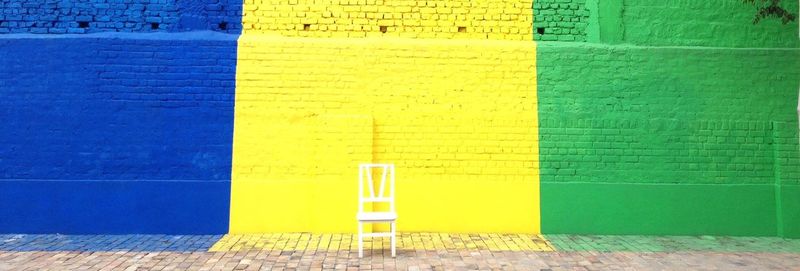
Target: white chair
(365,175)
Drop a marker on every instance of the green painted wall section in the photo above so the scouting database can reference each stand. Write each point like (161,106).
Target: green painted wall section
(787,176)
(716,23)
(607,22)
(787,157)
(668,140)
(658,209)
(711,23)
(790,211)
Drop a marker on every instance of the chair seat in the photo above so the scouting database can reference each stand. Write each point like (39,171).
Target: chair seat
(376,216)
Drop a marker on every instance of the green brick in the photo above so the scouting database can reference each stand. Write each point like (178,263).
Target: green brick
(565,13)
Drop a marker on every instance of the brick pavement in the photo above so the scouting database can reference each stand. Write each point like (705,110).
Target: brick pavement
(131,242)
(406,260)
(410,241)
(635,243)
(422,251)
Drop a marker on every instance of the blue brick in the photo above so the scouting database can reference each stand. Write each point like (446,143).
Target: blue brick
(126,16)
(57,30)
(153,19)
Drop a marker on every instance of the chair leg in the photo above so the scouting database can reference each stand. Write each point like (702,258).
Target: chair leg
(360,240)
(394,238)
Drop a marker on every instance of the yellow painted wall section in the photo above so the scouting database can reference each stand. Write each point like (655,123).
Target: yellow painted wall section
(292,168)
(443,19)
(457,117)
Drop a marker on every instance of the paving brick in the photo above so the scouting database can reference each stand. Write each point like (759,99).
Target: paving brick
(609,243)
(405,241)
(405,260)
(93,243)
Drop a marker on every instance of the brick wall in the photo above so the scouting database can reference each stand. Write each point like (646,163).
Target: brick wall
(446,90)
(85,93)
(457,118)
(560,20)
(668,140)
(716,23)
(658,151)
(462,19)
(643,115)
(88,16)
(787,159)
(116,133)
(427,126)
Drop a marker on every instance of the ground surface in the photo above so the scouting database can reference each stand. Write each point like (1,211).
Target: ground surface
(418,251)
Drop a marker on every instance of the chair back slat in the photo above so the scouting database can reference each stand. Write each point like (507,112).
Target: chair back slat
(383,181)
(387,175)
(370,182)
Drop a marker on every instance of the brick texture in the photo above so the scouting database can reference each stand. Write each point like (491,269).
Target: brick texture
(560,20)
(405,242)
(716,23)
(116,133)
(88,16)
(787,157)
(406,260)
(91,92)
(458,118)
(654,115)
(419,123)
(499,20)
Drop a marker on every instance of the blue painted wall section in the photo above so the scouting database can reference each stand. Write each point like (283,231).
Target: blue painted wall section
(90,16)
(116,133)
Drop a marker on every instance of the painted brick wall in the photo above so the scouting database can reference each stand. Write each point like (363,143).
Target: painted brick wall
(666,137)
(462,19)
(655,115)
(560,20)
(88,16)
(116,133)
(787,160)
(458,118)
(643,137)
(720,23)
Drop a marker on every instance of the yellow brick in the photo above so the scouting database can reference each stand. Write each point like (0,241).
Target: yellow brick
(262,16)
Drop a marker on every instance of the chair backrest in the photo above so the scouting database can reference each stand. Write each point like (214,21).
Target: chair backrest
(382,194)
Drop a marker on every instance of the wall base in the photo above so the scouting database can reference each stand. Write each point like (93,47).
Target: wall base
(666,209)
(114,207)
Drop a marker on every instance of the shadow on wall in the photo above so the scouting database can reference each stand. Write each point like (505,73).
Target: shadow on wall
(91,16)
